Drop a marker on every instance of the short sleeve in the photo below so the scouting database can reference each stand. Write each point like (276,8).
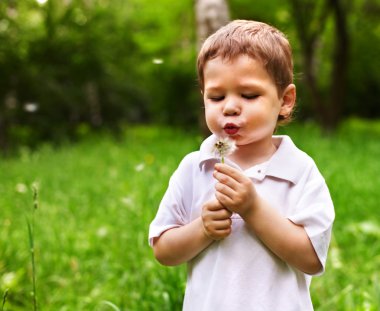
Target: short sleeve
(173,209)
(315,212)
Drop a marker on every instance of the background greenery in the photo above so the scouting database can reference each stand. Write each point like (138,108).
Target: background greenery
(68,67)
(74,73)
(97,199)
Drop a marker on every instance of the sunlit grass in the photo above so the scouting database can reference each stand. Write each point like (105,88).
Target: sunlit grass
(98,197)
(349,160)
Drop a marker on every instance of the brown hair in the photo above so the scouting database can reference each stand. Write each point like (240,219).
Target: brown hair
(255,39)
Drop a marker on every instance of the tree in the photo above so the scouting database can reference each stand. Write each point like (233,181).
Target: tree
(69,67)
(210,16)
(311,18)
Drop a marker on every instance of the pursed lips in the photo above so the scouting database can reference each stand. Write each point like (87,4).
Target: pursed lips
(231,128)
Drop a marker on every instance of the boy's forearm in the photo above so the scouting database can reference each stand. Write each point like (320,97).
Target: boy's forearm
(287,240)
(181,244)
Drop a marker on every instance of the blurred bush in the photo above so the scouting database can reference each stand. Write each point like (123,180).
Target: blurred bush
(69,67)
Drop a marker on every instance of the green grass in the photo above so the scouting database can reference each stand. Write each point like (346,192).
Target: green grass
(97,198)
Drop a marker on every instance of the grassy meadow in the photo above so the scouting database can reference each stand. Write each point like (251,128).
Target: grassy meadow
(96,200)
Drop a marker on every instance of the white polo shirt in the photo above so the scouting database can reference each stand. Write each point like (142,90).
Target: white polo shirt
(239,272)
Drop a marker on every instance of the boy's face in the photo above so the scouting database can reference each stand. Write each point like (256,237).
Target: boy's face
(241,100)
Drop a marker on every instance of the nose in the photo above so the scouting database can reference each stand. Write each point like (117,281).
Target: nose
(231,107)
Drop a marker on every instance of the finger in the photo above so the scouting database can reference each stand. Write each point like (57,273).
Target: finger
(217,231)
(223,199)
(226,180)
(213,205)
(224,189)
(230,171)
(222,224)
(221,214)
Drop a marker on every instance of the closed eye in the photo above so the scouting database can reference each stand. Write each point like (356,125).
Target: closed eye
(216,98)
(249,96)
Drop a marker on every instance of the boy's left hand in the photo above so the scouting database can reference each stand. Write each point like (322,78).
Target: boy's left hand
(234,190)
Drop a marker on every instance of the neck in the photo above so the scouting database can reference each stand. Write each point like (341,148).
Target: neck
(247,156)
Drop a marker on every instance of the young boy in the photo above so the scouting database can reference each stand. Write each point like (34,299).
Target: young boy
(254,228)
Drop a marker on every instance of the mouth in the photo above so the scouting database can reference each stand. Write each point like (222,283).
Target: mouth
(231,129)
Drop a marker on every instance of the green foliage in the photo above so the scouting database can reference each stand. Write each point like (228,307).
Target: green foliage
(68,67)
(90,231)
(70,64)
(97,198)
(348,161)
(364,72)
(362,93)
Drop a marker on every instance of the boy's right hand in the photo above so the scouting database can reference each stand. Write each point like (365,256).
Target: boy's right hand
(216,220)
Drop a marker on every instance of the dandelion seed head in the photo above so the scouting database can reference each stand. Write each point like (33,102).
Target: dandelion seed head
(224,147)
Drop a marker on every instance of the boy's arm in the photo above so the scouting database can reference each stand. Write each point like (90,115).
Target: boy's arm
(178,245)
(287,240)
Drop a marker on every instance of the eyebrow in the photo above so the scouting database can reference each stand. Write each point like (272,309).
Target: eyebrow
(213,88)
(244,86)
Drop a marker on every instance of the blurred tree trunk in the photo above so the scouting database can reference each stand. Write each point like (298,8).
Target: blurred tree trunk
(310,18)
(341,62)
(210,16)
(93,103)
(3,134)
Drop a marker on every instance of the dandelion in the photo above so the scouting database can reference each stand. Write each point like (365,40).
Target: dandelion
(224,147)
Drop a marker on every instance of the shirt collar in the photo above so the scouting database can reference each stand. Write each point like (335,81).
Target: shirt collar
(287,162)
(284,163)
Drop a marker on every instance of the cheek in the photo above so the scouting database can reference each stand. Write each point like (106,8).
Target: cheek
(262,120)
(267,113)
(211,118)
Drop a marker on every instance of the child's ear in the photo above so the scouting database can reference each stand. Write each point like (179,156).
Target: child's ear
(288,100)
